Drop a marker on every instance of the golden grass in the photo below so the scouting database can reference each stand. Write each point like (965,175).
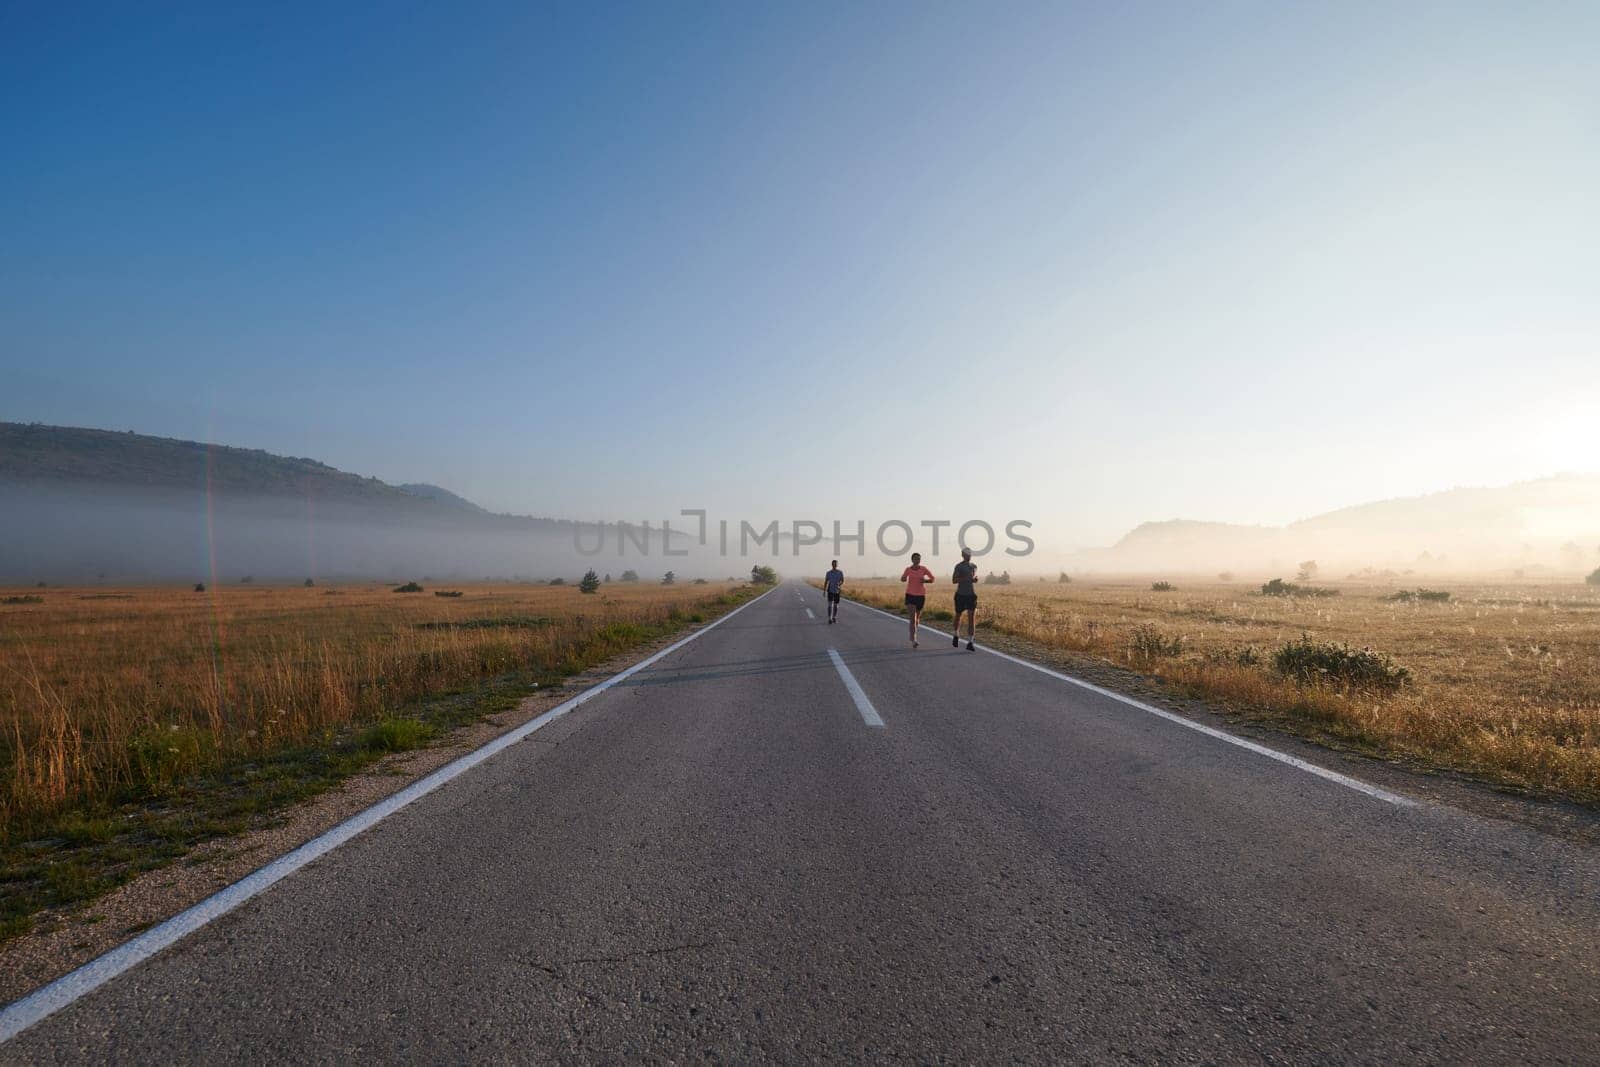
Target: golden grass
(1506,679)
(106,695)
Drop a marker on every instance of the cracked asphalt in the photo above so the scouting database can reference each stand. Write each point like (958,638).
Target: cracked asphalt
(718,859)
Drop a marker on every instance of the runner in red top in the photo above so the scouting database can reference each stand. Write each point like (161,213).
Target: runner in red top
(916,578)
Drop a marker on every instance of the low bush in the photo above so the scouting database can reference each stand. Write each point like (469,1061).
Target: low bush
(1248,656)
(1433,596)
(1594,578)
(396,735)
(1162,587)
(1309,662)
(163,755)
(1148,643)
(1279,587)
(409,587)
(447,592)
(26,598)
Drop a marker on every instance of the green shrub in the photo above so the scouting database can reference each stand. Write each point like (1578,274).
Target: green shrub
(668,578)
(1279,587)
(760,575)
(1162,587)
(1406,596)
(630,576)
(558,581)
(1064,579)
(409,587)
(590,583)
(26,598)
(1309,662)
(161,756)
(396,735)
(1594,578)
(447,592)
(1148,643)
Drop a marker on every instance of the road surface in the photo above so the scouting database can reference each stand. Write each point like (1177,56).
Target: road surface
(723,856)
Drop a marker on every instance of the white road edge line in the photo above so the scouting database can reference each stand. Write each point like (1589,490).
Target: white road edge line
(869,714)
(1210,731)
(49,999)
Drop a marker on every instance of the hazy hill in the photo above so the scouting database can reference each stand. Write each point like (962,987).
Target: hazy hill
(1550,524)
(443,496)
(80,502)
(32,454)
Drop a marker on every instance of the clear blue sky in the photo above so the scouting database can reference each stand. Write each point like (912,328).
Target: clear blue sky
(1086,265)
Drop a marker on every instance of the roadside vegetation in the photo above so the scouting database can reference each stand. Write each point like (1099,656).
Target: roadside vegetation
(140,723)
(1499,681)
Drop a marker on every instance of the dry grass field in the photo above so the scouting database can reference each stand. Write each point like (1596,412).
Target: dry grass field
(1504,680)
(137,722)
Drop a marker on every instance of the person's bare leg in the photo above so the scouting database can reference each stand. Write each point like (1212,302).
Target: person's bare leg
(916,617)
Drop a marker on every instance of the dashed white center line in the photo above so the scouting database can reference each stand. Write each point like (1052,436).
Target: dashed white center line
(809,615)
(869,714)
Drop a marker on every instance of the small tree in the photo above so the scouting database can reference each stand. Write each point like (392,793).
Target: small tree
(668,578)
(199,587)
(1594,578)
(760,575)
(590,582)
(630,576)
(1065,579)
(309,583)
(1307,571)
(558,581)
(608,576)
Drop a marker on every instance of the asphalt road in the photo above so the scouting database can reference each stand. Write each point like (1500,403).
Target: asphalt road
(721,858)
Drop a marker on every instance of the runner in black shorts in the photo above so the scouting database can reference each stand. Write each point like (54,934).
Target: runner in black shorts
(916,578)
(966,573)
(832,583)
